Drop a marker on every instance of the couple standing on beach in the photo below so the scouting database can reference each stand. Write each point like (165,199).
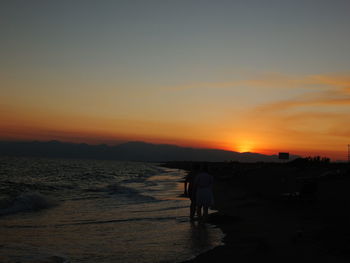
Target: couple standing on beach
(198,187)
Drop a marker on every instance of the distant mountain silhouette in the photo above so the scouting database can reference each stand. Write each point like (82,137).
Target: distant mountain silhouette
(130,151)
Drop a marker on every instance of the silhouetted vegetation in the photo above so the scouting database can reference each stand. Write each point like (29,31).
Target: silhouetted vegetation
(311,160)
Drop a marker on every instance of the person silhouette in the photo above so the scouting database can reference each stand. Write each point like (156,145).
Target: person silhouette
(203,185)
(189,189)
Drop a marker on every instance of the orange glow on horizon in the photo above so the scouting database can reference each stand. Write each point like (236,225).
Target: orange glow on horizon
(121,72)
(308,125)
(114,139)
(245,147)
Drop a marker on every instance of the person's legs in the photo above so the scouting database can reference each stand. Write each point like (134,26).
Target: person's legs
(192,209)
(199,211)
(205,213)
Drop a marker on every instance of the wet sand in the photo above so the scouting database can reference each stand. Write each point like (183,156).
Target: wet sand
(265,225)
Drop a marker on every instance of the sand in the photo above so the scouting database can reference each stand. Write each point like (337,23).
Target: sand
(266,225)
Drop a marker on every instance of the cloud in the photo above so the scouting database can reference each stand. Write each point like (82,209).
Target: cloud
(308,111)
(333,80)
(275,80)
(266,80)
(316,120)
(333,90)
(323,101)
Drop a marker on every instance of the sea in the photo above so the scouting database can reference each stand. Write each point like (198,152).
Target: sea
(72,210)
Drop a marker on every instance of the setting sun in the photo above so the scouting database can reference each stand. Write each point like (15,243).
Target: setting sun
(245,146)
(211,120)
(89,80)
(241,145)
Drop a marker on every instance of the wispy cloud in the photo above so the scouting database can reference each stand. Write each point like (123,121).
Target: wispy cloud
(315,119)
(275,80)
(336,93)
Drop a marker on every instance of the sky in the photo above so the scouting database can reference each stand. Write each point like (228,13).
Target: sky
(259,76)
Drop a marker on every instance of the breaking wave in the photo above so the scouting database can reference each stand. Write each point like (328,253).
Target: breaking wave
(30,201)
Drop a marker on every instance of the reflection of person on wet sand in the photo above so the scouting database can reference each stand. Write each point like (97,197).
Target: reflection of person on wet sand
(189,190)
(200,238)
(203,184)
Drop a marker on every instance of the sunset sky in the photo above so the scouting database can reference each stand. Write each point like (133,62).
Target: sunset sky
(259,76)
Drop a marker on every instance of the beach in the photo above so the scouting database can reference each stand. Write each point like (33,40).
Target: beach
(79,210)
(281,213)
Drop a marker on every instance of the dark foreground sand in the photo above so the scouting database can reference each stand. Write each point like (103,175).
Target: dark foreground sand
(263,225)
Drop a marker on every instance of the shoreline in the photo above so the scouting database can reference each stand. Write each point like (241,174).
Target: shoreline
(259,225)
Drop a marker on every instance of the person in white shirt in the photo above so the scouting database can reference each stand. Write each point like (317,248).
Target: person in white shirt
(203,184)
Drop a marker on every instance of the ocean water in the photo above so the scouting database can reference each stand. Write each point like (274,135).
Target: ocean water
(58,210)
